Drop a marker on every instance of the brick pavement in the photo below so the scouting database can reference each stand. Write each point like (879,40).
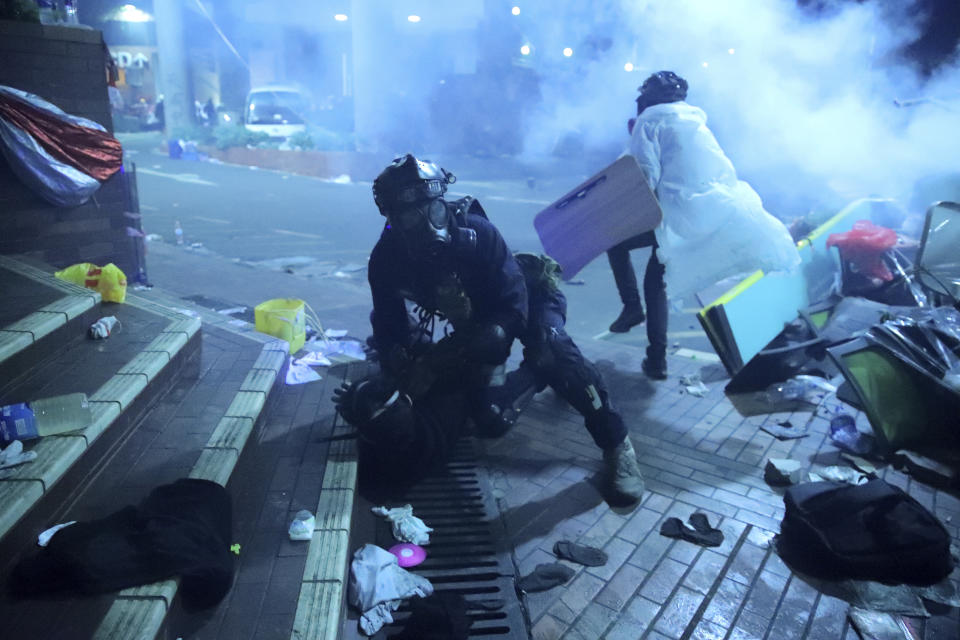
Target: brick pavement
(697,454)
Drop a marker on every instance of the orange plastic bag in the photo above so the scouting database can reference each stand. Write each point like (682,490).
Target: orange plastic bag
(110,281)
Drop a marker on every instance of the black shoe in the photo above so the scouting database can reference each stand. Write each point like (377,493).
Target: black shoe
(631,316)
(654,370)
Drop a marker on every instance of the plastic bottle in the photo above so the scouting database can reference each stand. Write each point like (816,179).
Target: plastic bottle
(45,417)
(178,232)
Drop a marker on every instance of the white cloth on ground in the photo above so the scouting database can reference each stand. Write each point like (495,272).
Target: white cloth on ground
(406,526)
(709,216)
(378,585)
(14,455)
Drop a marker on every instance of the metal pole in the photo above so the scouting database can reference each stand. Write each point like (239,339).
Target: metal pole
(173,78)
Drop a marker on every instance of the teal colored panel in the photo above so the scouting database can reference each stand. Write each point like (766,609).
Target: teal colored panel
(758,313)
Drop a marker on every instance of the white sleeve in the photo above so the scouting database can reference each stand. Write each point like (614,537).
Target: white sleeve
(645,148)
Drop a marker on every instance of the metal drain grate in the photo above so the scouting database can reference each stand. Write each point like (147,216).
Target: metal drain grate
(467,554)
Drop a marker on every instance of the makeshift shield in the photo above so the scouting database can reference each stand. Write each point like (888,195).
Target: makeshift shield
(610,207)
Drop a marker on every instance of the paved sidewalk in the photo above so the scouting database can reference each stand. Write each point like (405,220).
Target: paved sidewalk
(697,454)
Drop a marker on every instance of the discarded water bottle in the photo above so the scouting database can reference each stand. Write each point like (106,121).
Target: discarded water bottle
(178,232)
(45,417)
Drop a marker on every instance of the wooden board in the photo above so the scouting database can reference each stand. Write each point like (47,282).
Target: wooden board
(608,208)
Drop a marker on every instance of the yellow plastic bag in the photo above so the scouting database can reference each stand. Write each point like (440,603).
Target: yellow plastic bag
(110,281)
(283,318)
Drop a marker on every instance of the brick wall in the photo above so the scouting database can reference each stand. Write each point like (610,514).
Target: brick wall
(66,67)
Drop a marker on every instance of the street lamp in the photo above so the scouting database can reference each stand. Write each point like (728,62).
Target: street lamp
(567,52)
(525,50)
(413,18)
(340,17)
(515,11)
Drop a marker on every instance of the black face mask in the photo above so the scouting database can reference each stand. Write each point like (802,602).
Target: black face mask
(424,227)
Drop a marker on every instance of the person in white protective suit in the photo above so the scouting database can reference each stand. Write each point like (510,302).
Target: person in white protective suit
(714,225)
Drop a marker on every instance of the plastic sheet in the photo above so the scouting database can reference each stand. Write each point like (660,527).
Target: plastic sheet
(54,179)
(928,339)
(714,225)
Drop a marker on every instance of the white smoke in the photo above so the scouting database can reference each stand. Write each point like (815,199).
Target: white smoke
(803,105)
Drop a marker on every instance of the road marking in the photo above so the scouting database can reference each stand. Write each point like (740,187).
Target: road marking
(504,199)
(520,200)
(190,178)
(299,234)
(604,335)
(693,354)
(685,334)
(214,220)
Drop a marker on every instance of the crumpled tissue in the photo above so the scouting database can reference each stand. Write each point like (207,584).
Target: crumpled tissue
(406,526)
(378,585)
(14,455)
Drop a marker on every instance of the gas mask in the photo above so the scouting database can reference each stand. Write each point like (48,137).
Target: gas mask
(424,227)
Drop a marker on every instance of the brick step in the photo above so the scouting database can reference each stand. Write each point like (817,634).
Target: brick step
(169,401)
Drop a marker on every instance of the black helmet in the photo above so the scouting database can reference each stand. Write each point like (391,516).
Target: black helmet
(662,86)
(407,181)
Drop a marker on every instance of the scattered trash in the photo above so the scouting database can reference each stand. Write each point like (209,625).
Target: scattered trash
(14,455)
(926,469)
(876,625)
(335,333)
(187,312)
(109,280)
(101,328)
(783,471)
(844,433)
(406,526)
(889,598)
(809,389)
(545,576)
(339,350)
(314,359)
(153,237)
(784,430)
(408,554)
(580,553)
(701,533)
(693,385)
(44,538)
(834,473)
(302,526)
(298,373)
(45,417)
(378,585)
(859,463)
(232,310)
(235,548)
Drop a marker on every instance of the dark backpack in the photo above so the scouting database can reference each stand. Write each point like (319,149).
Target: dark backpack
(872,531)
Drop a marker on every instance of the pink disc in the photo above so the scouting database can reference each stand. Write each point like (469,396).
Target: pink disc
(408,555)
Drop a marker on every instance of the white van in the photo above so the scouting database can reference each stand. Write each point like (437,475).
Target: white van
(277,110)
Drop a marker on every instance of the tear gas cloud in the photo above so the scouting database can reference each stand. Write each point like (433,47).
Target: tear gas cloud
(803,105)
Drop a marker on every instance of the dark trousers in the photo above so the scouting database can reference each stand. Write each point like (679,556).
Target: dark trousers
(654,288)
(550,357)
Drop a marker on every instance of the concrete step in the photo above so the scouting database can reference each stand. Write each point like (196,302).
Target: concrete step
(139,381)
(48,353)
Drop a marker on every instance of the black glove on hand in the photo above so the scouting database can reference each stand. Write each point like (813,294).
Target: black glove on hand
(358,402)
